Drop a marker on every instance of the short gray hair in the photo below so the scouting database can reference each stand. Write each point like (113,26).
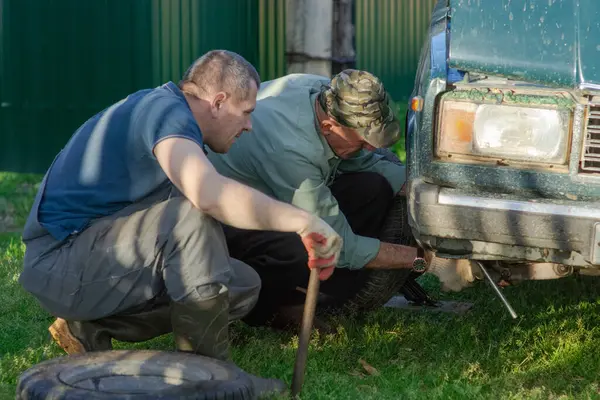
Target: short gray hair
(220,70)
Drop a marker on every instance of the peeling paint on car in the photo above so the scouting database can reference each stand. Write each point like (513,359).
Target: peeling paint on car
(510,97)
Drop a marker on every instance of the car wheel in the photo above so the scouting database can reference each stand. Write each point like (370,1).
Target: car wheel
(356,291)
(126,374)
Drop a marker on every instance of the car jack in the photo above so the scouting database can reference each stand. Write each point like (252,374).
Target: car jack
(414,293)
(497,290)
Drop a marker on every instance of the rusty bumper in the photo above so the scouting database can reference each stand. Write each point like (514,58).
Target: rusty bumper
(487,226)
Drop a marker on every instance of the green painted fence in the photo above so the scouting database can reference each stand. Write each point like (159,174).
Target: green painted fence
(389,36)
(63,60)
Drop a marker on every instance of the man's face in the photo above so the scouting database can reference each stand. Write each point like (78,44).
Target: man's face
(344,141)
(232,118)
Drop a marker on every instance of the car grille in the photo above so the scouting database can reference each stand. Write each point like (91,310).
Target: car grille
(590,159)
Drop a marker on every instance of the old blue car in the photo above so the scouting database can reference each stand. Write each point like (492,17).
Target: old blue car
(503,140)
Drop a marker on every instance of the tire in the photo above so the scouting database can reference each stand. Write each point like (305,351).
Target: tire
(134,375)
(359,291)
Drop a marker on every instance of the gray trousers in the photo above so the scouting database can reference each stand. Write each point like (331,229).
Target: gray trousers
(161,246)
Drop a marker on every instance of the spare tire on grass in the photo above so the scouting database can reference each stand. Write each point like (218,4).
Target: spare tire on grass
(357,291)
(123,374)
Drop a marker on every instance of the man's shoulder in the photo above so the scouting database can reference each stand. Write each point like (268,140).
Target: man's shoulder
(291,83)
(161,106)
(144,103)
(284,127)
(165,96)
(285,103)
(299,79)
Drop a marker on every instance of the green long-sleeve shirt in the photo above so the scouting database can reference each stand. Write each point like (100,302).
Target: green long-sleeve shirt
(286,157)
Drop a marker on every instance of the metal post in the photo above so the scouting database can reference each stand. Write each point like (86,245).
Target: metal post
(497,290)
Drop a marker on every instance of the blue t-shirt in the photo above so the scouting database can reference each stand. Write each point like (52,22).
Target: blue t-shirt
(108,164)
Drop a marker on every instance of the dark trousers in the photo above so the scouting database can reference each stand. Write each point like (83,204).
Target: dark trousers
(280,258)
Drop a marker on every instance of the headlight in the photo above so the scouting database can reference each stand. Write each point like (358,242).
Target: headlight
(504,131)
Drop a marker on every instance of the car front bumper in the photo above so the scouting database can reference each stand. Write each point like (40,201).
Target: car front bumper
(488,226)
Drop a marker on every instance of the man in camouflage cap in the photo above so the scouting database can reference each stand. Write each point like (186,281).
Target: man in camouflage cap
(357,99)
(319,144)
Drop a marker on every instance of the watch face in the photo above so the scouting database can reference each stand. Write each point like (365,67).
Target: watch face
(419,264)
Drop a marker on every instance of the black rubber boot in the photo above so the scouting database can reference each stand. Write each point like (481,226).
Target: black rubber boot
(137,326)
(201,325)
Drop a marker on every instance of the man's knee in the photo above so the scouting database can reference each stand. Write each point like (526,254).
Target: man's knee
(360,190)
(244,277)
(375,184)
(292,249)
(244,288)
(210,291)
(284,262)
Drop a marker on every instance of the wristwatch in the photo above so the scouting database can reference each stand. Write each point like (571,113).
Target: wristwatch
(419,264)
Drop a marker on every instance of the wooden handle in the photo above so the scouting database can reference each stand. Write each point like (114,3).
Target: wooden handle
(308,317)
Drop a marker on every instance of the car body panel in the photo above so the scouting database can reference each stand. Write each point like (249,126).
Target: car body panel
(552,42)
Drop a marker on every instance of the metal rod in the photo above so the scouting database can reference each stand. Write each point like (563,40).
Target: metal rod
(497,290)
(310,305)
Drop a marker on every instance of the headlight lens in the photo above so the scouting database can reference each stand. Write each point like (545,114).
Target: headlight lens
(503,131)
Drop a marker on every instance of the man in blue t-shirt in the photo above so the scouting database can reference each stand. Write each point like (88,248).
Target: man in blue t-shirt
(124,240)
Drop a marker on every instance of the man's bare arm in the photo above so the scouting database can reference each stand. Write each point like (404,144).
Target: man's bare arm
(393,256)
(226,200)
(240,206)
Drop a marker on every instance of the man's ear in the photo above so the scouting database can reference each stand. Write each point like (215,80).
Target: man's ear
(217,103)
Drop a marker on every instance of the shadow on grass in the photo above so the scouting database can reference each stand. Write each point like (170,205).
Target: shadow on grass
(552,349)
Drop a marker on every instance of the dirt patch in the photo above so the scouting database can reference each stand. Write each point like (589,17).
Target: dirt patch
(7,225)
(8,220)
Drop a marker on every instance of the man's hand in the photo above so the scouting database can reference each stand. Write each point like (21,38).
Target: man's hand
(323,245)
(454,274)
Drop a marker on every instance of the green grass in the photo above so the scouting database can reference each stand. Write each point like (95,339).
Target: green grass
(16,194)
(399,147)
(552,351)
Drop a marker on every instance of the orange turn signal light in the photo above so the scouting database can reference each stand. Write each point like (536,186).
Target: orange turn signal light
(416,104)
(456,127)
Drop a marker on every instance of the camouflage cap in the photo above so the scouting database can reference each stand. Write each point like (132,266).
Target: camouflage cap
(357,99)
